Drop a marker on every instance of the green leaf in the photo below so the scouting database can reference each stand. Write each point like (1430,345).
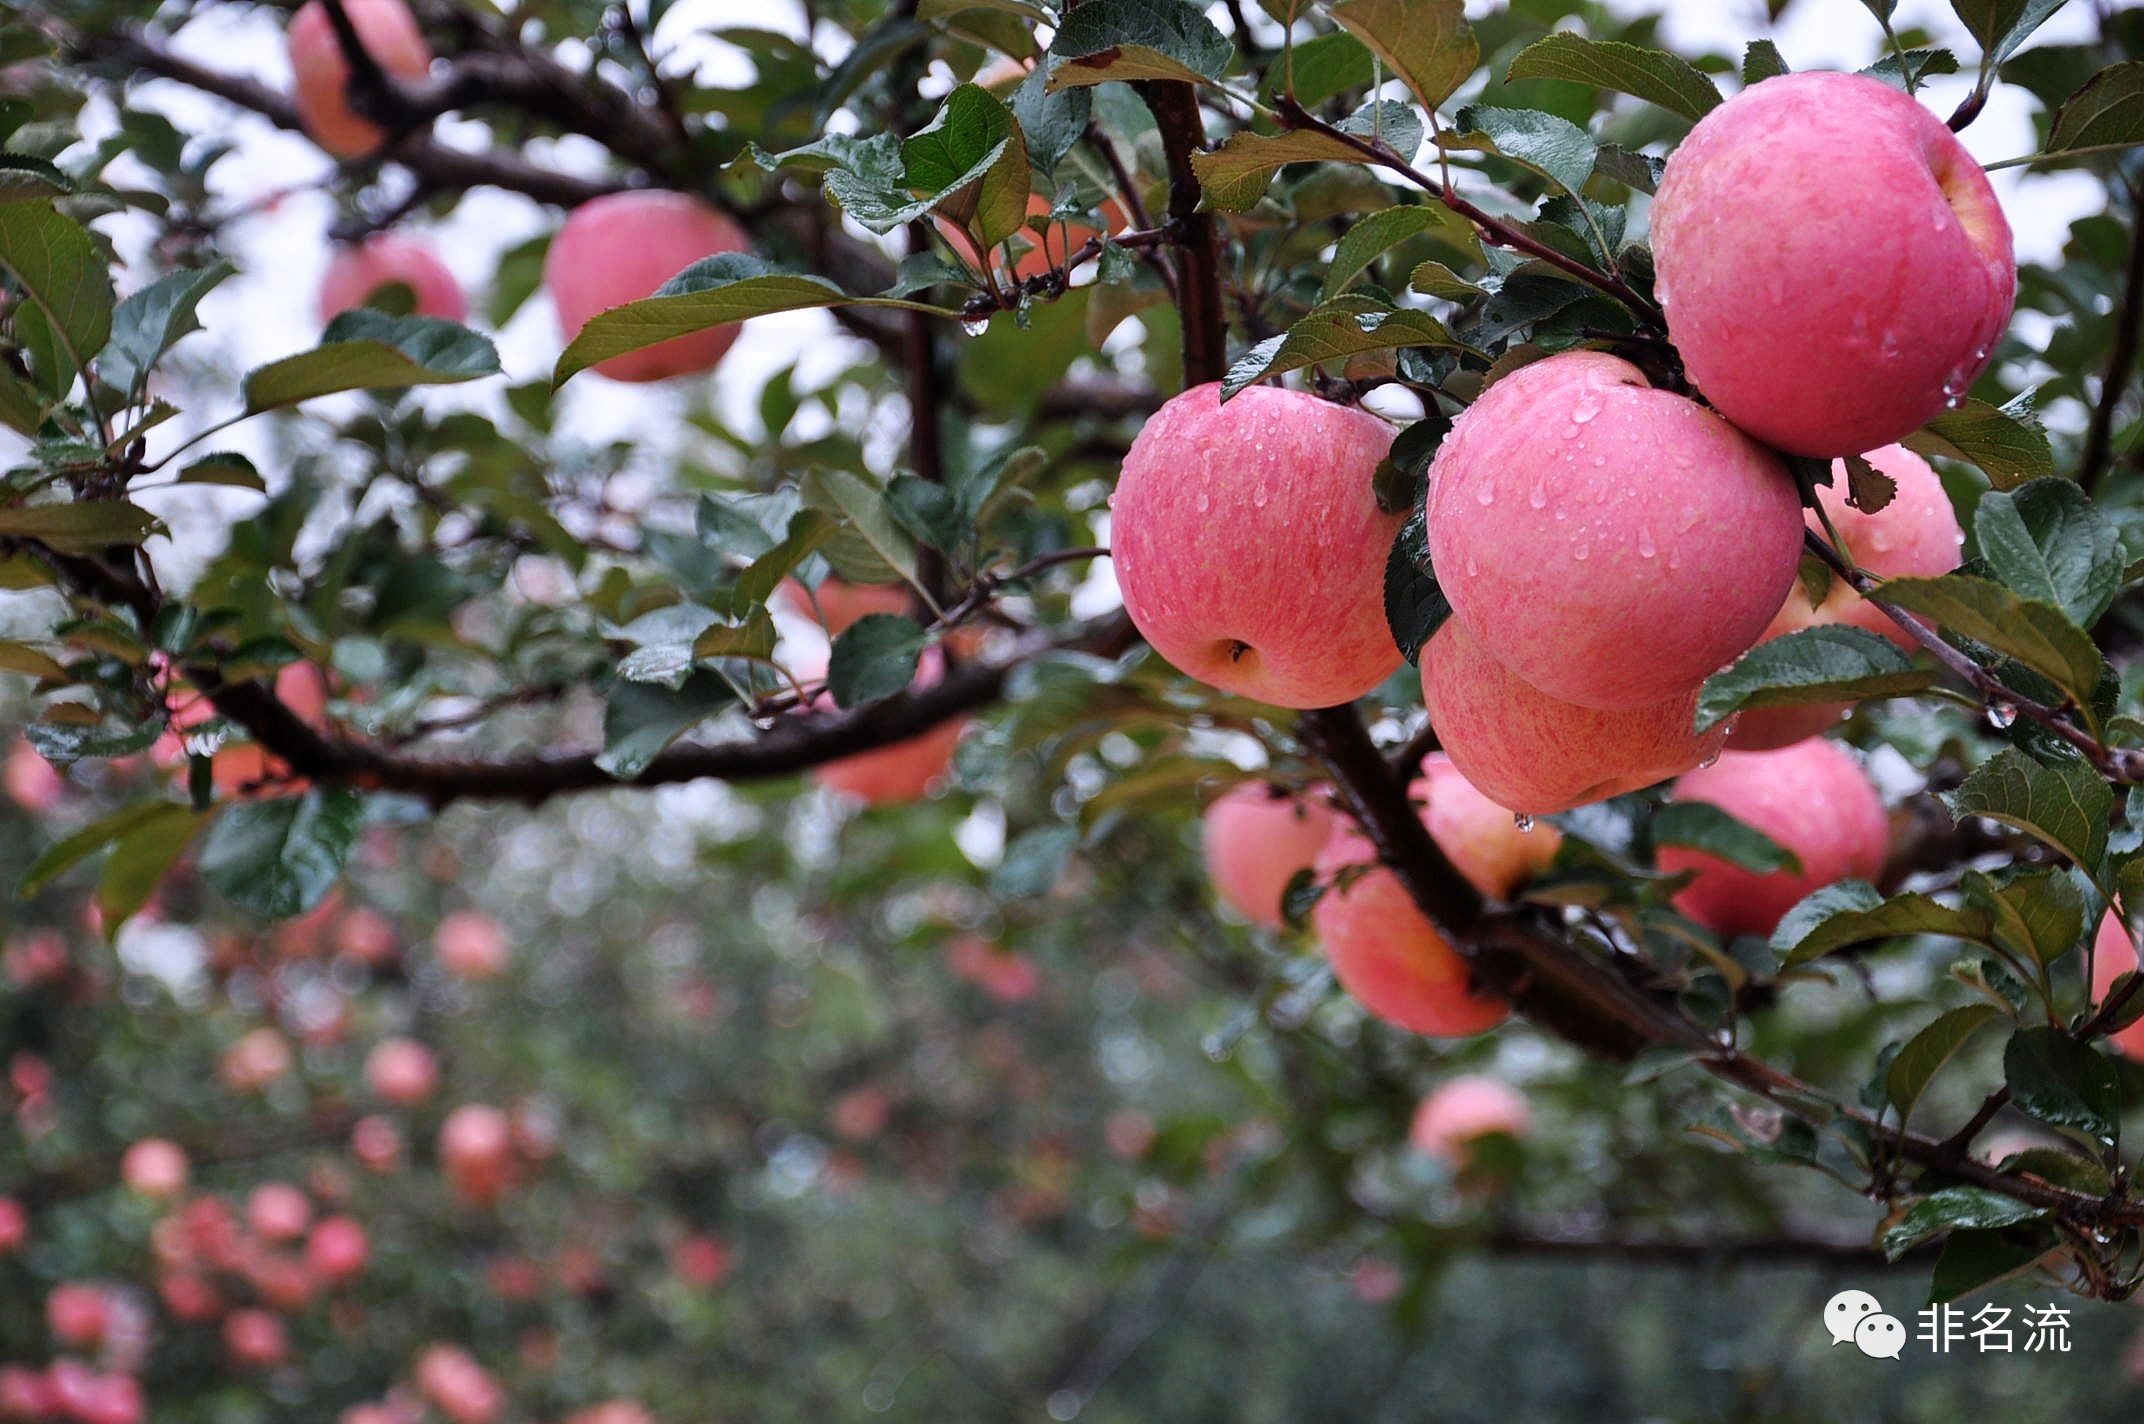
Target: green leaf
(1640,172)
(2002,25)
(147,323)
(1106,40)
(22,658)
(1320,68)
(1925,1054)
(2060,1081)
(1868,488)
(972,158)
(1557,149)
(2037,634)
(22,405)
(141,861)
(63,855)
(367,349)
(2108,110)
(2006,442)
(1034,861)
(1704,827)
(2064,806)
(280,858)
(2038,915)
(808,529)
(752,639)
(870,545)
(1233,177)
(926,509)
(1649,74)
(1300,896)
(641,719)
(1954,1209)
(225,467)
(1052,122)
(1826,663)
(1973,1259)
(1761,61)
(874,658)
(716,291)
(24,178)
(56,264)
(1906,71)
(517,277)
(1415,607)
(1333,331)
(1853,912)
(79,528)
(1427,43)
(2049,541)
(1379,232)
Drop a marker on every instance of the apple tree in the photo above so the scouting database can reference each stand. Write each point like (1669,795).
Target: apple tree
(1387,545)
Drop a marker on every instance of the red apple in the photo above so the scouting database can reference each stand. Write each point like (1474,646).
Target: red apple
(1573,503)
(254,1339)
(476,1150)
(337,1249)
(1536,754)
(620,248)
(278,1211)
(403,1071)
(31,782)
(1479,837)
(1813,799)
(471,945)
(357,270)
(154,1168)
(1917,533)
(390,35)
(1462,1110)
(1249,546)
(1257,837)
(1834,265)
(1387,954)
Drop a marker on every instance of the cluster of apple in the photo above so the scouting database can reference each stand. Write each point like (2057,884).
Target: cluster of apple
(1605,545)
(612,250)
(274,1249)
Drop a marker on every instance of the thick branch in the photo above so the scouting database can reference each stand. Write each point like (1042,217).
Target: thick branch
(1198,286)
(434,164)
(797,742)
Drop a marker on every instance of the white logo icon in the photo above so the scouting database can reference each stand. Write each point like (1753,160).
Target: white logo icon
(1880,1337)
(1844,1312)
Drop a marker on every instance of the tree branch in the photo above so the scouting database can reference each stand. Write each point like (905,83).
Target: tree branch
(2121,764)
(2121,361)
(1198,284)
(443,169)
(1492,228)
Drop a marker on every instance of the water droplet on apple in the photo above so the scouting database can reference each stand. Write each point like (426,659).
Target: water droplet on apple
(1485,495)
(1645,542)
(1539,497)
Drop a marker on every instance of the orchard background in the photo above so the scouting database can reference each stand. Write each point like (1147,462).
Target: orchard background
(459,968)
